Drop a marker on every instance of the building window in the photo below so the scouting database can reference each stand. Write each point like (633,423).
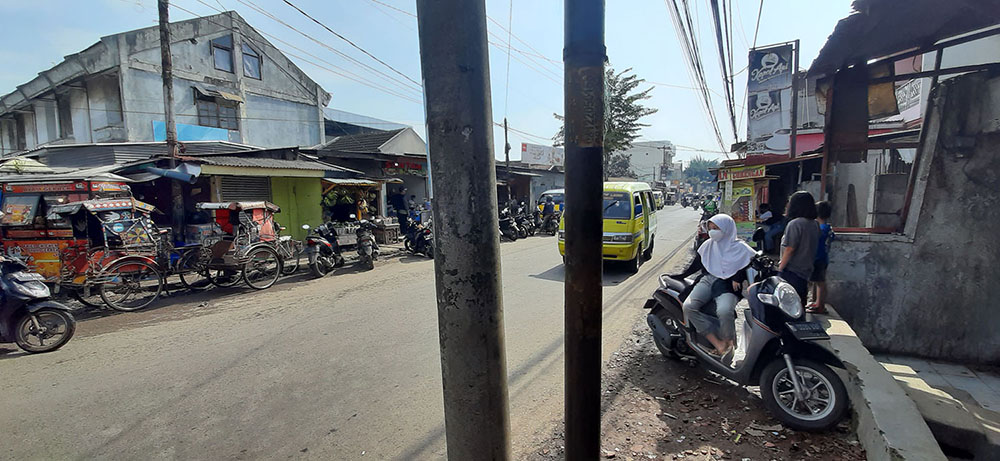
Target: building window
(251,62)
(215,113)
(65,116)
(222,53)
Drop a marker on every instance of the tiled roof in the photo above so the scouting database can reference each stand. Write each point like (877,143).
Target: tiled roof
(368,142)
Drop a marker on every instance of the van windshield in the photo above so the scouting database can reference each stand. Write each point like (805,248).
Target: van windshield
(617,205)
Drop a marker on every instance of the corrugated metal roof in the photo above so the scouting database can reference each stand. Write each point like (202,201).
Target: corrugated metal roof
(301,164)
(368,142)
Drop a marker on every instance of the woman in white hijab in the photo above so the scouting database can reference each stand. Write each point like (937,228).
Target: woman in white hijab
(721,261)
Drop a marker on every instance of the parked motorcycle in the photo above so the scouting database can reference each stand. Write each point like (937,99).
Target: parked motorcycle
(368,249)
(28,315)
(420,239)
(508,226)
(322,250)
(782,354)
(525,225)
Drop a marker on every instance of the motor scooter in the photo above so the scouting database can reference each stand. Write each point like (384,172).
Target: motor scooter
(322,250)
(368,249)
(28,315)
(420,239)
(508,226)
(782,352)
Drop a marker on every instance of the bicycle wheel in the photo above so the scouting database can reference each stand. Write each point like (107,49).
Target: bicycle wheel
(262,268)
(291,253)
(224,277)
(192,272)
(130,284)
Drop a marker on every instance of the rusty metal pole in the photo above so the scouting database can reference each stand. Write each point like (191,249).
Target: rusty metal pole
(584,57)
(455,64)
(166,64)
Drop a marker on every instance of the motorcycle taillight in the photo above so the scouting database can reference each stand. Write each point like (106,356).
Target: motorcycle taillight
(311,243)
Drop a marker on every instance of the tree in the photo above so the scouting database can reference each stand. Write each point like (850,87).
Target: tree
(621,121)
(698,168)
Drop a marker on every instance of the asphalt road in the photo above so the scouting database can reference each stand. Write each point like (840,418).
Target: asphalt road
(345,367)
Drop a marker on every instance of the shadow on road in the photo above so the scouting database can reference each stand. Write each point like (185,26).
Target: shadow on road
(612,275)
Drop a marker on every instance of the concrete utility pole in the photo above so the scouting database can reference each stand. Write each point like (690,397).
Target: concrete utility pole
(584,58)
(455,64)
(166,63)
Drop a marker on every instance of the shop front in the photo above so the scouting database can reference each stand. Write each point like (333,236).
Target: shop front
(743,190)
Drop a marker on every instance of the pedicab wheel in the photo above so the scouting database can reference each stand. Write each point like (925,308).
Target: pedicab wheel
(824,403)
(53,329)
(224,278)
(94,300)
(262,268)
(290,265)
(192,272)
(131,284)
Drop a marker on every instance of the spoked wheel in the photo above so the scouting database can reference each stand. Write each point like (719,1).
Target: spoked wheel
(192,272)
(224,278)
(44,331)
(290,262)
(130,285)
(824,401)
(262,268)
(93,300)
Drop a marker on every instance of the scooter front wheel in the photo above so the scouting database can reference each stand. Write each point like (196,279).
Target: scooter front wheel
(821,407)
(44,330)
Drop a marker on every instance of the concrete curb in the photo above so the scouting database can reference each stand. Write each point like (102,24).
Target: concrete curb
(889,426)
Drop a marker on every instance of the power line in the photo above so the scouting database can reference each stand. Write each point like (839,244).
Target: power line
(757,27)
(722,64)
(510,20)
(350,42)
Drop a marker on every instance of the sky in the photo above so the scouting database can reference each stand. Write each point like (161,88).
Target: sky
(639,35)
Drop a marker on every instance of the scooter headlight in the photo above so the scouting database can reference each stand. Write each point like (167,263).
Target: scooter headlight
(786,298)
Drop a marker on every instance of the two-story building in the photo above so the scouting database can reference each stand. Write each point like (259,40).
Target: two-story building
(229,84)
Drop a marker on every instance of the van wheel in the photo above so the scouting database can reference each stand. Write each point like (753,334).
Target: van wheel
(632,265)
(648,254)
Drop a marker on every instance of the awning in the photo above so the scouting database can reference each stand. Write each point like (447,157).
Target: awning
(219,94)
(351,182)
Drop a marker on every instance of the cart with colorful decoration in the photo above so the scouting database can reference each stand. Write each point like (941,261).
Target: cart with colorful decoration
(116,251)
(245,251)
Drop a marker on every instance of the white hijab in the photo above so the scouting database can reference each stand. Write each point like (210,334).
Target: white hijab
(726,256)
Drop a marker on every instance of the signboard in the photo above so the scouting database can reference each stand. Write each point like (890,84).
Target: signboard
(400,167)
(34,188)
(537,154)
(769,100)
(42,256)
(747,172)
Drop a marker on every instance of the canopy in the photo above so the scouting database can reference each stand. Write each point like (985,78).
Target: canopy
(94,206)
(250,205)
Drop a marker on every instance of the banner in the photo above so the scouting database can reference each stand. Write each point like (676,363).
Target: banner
(769,100)
(746,172)
(537,154)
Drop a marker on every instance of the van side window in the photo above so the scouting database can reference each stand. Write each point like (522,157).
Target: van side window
(637,200)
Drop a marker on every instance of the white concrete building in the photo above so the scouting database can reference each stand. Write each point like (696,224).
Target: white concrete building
(230,84)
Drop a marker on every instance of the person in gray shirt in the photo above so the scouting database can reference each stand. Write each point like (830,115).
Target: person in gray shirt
(798,245)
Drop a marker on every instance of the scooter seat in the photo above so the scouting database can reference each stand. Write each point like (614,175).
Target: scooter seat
(675,284)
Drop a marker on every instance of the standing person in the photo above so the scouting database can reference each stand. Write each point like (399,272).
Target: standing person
(398,202)
(798,246)
(721,262)
(818,279)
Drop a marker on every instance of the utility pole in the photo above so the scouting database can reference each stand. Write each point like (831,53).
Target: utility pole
(166,63)
(795,102)
(584,57)
(506,154)
(454,61)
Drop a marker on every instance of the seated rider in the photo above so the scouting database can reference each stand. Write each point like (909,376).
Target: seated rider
(709,205)
(774,222)
(720,264)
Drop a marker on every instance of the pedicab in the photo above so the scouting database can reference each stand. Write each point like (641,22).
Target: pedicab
(246,250)
(116,251)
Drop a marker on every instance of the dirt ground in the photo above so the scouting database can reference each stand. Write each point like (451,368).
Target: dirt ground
(657,408)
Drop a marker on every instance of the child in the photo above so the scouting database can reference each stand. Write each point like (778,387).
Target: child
(798,245)
(818,279)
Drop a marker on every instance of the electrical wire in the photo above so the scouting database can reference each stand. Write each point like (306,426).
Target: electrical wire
(510,21)
(757,27)
(722,64)
(350,42)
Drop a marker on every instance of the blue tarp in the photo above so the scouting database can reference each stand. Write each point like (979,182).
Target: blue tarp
(190,132)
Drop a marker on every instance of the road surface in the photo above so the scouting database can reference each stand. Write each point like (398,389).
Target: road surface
(337,368)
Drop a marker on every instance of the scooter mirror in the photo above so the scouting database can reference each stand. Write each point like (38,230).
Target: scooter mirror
(353,216)
(305,226)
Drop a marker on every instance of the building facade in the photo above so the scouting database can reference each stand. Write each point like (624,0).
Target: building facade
(229,84)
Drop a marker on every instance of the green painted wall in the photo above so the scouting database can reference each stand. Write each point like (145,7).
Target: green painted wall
(299,199)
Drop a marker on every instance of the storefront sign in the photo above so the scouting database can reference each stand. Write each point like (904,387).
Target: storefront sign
(747,172)
(43,256)
(769,97)
(411,168)
(33,188)
(108,187)
(537,154)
